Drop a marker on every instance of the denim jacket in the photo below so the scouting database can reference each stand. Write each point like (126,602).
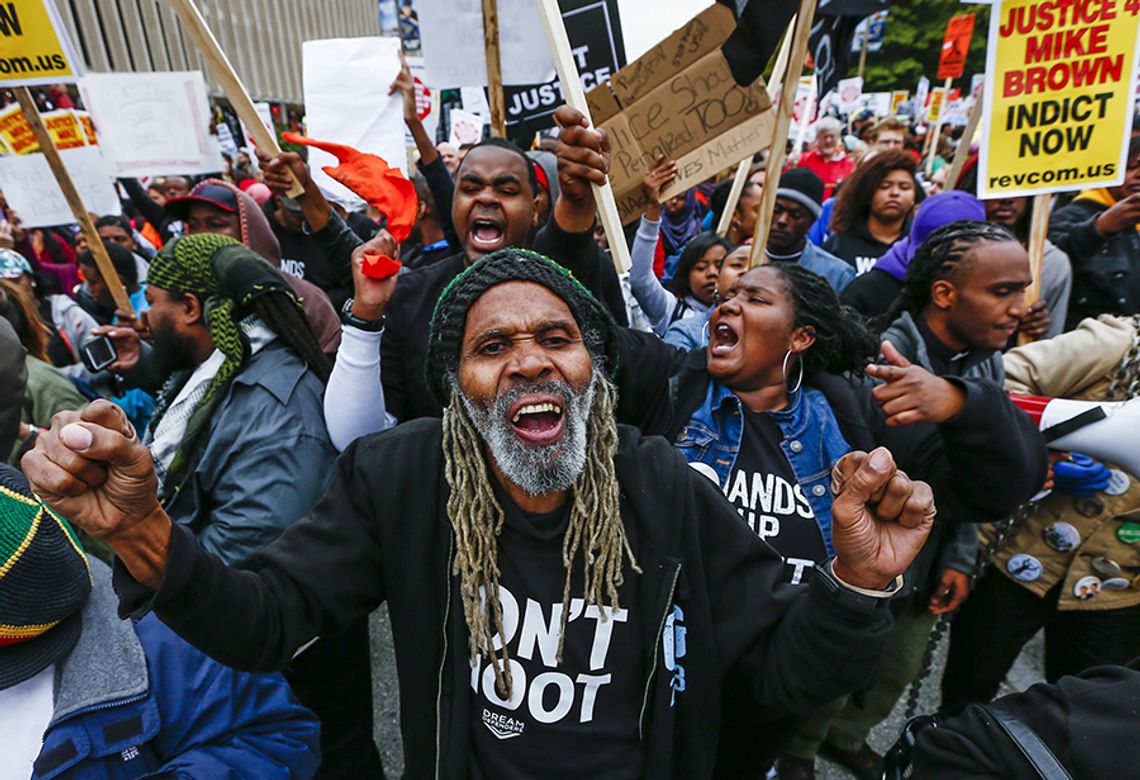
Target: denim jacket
(812,443)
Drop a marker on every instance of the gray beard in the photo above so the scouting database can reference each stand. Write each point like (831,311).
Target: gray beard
(550,468)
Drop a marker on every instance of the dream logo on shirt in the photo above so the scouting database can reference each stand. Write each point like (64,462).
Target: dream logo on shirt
(293,267)
(532,636)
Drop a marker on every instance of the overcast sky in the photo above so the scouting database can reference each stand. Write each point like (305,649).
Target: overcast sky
(645,22)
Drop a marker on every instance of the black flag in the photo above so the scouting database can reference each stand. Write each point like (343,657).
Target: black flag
(831,35)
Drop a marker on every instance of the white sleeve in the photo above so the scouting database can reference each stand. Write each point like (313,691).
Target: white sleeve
(354,397)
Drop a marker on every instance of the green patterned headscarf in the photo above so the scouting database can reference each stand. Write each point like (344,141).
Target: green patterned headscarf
(227,277)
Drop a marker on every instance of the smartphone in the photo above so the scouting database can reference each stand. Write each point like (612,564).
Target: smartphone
(98,353)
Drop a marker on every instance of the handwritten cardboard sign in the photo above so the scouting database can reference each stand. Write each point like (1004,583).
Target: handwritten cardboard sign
(31,188)
(153,123)
(680,100)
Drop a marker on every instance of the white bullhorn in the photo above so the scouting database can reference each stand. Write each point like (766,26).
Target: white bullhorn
(1114,439)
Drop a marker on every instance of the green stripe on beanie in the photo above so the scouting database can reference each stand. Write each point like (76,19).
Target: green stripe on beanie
(449,319)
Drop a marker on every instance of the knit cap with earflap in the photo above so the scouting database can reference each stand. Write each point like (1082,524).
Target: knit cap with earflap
(44,583)
(449,319)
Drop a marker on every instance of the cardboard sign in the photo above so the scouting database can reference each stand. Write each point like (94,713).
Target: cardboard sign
(153,124)
(346,84)
(681,100)
(955,47)
(849,93)
(937,99)
(1058,97)
(451,35)
(34,47)
(32,191)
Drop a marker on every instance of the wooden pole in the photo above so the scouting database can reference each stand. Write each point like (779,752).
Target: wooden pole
(863,48)
(551,16)
(495,96)
(741,177)
(1038,233)
(94,243)
(796,57)
(962,153)
(195,26)
(936,131)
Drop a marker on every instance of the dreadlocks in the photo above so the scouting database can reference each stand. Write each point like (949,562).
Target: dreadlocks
(943,253)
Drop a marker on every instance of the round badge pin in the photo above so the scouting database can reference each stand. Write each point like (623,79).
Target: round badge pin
(1024,567)
(1087,588)
(1106,567)
(1116,583)
(1090,507)
(1118,482)
(1062,537)
(1129,532)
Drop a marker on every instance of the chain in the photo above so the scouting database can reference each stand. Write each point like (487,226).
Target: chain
(1125,381)
(1005,529)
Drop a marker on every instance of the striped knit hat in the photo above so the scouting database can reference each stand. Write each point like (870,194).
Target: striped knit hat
(512,265)
(44,582)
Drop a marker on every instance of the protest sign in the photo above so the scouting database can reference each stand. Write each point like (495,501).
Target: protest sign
(33,192)
(64,128)
(680,99)
(16,132)
(956,113)
(1058,97)
(870,32)
(937,99)
(455,57)
(878,102)
(897,99)
(427,100)
(977,81)
(598,49)
(34,46)
(265,113)
(850,94)
(153,123)
(346,84)
(466,128)
(955,46)
(88,126)
(922,93)
(474,101)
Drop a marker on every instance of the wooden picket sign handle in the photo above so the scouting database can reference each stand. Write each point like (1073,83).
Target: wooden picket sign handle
(741,176)
(1038,234)
(778,147)
(74,202)
(492,51)
(962,153)
(559,43)
(195,26)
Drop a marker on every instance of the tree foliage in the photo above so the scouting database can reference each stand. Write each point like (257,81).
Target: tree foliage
(913,41)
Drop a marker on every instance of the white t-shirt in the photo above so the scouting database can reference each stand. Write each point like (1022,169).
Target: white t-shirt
(25,712)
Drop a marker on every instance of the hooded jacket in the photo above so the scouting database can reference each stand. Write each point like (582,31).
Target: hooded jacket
(1106,269)
(708,601)
(873,292)
(258,236)
(857,247)
(132,700)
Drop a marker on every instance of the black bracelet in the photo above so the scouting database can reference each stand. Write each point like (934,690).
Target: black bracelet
(348,318)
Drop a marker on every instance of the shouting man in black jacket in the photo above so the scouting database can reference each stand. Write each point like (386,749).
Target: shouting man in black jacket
(565,595)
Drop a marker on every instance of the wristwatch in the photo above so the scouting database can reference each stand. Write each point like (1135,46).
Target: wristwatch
(348,318)
(851,596)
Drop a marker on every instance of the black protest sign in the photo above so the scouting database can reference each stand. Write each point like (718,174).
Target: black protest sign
(596,42)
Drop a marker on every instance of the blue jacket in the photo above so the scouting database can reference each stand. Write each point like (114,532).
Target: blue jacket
(812,443)
(837,273)
(132,700)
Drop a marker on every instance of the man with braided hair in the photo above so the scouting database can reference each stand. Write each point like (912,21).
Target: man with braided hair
(565,594)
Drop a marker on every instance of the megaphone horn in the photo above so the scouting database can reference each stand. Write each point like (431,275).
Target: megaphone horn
(1106,430)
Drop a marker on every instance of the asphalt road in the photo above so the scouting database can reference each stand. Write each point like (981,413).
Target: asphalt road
(1026,671)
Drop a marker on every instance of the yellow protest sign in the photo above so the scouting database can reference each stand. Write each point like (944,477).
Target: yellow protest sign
(16,131)
(34,47)
(898,97)
(64,128)
(1058,98)
(937,98)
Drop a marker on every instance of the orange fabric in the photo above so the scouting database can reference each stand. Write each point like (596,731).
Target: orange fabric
(150,234)
(370,177)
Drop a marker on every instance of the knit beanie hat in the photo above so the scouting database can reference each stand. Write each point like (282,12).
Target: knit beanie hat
(512,265)
(44,582)
(804,187)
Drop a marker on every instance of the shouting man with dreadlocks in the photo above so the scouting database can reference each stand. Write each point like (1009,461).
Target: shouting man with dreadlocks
(565,594)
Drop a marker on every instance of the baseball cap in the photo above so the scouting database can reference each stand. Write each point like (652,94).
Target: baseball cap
(211,194)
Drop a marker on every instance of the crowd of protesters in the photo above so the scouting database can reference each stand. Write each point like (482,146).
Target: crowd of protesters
(699,520)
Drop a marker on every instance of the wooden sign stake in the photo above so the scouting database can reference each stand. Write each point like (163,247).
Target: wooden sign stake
(551,16)
(962,153)
(495,96)
(1038,233)
(741,176)
(195,26)
(94,243)
(796,58)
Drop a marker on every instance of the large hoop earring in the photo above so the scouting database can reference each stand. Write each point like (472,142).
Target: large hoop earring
(799,380)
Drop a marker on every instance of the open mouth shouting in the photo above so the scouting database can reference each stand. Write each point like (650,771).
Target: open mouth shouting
(723,340)
(538,419)
(487,234)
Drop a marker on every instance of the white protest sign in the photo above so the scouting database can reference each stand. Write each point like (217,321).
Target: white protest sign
(152,123)
(956,112)
(850,91)
(427,100)
(466,128)
(32,191)
(346,84)
(450,31)
(226,143)
(921,94)
(475,102)
(266,113)
(879,102)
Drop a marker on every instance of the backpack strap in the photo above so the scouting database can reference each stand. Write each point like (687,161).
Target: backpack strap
(1036,752)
